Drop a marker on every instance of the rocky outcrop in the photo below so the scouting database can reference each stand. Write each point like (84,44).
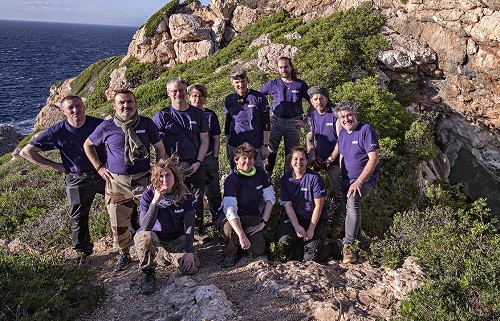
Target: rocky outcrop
(9,139)
(361,292)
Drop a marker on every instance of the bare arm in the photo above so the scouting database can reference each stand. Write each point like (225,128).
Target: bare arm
(32,154)
(365,174)
(318,207)
(216,140)
(160,150)
(244,241)
(311,150)
(91,153)
(290,212)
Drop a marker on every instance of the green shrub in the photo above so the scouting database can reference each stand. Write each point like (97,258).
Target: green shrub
(138,73)
(42,287)
(165,12)
(419,142)
(460,251)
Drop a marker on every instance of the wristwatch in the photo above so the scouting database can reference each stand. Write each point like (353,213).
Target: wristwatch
(263,221)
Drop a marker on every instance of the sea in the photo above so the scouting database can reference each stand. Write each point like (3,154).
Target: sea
(35,55)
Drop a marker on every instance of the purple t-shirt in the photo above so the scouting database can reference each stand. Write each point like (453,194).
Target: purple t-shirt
(287,97)
(170,221)
(302,192)
(214,125)
(246,118)
(174,139)
(69,141)
(325,133)
(354,148)
(248,190)
(114,138)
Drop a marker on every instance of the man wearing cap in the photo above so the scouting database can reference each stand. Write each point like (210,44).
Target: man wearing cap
(358,147)
(286,116)
(184,130)
(321,139)
(247,118)
(82,180)
(128,138)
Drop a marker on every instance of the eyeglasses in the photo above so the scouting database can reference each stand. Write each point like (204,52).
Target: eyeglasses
(176,91)
(196,96)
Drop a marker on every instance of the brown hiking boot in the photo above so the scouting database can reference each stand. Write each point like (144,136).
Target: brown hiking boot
(349,254)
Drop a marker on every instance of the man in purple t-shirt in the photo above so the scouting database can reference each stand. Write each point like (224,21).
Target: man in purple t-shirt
(322,134)
(286,116)
(128,138)
(82,180)
(184,131)
(247,118)
(358,147)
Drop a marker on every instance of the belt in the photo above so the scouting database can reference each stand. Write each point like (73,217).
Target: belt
(87,173)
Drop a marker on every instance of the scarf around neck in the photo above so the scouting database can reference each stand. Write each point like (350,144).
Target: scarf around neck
(134,149)
(248,174)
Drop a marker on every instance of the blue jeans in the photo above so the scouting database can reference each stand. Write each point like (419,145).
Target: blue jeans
(353,213)
(282,127)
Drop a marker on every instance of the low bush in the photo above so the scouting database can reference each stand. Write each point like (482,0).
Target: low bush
(460,251)
(41,287)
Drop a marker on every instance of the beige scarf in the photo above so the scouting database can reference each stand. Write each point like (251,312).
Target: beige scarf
(134,148)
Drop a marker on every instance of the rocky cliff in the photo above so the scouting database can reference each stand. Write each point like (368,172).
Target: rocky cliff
(449,49)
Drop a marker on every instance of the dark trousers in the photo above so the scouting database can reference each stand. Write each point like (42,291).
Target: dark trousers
(231,240)
(196,182)
(212,189)
(80,192)
(312,249)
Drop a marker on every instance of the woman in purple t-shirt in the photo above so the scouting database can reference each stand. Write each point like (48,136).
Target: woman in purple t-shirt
(167,223)
(303,195)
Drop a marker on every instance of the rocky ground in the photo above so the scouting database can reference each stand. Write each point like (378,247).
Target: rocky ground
(254,289)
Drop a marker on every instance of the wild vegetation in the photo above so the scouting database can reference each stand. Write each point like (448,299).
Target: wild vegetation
(453,239)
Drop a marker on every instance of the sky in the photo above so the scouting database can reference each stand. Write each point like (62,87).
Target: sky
(104,12)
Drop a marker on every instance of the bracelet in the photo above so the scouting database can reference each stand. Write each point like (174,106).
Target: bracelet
(265,145)
(197,161)
(263,221)
(99,167)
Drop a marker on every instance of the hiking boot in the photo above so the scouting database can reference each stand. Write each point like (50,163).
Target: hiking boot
(148,282)
(229,261)
(122,263)
(349,254)
(337,250)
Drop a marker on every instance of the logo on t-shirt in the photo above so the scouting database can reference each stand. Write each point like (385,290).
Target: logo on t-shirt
(304,189)
(192,122)
(259,187)
(354,142)
(140,131)
(373,145)
(251,106)
(179,210)
(329,124)
(295,91)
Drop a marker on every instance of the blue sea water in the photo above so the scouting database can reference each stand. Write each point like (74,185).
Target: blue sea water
(35,55)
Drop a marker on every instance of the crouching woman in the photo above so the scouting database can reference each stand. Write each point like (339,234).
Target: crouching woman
(166,224)
(240,219)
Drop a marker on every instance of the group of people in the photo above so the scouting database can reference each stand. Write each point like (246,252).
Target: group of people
(112,157)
